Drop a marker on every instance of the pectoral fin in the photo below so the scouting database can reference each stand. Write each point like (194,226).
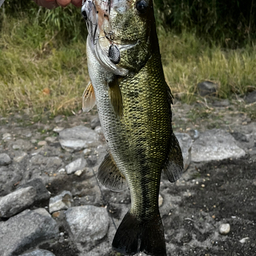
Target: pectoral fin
(110,176)
(174,164)
(116,96)
(88,98)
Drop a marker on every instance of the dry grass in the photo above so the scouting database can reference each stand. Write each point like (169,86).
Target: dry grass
(39,72)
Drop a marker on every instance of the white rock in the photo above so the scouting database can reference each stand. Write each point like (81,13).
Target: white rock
(58,129)
(244,240)
(6,136)
(224,229)
(60,202)
(215,144)
(19,158)
(42,143)
(87,223)
(79,173)
(76,165)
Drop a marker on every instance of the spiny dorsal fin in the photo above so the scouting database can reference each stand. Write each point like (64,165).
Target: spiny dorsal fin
(116,96)
(88,98)
(174,164)
(110,176)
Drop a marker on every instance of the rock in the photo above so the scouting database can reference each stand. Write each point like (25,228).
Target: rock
(224,229)
(4,159)
(207,88)
(38,253)
(50,139)
(185,142)
(221,103)
(244,240)
(79,173)
(78,138)
(20,157)
(17,201)
(215,144)
(46,162)
(6,136)
(76,165)
(58,129)
(22,144)
(245,141)
(41,192)
(87,223)
(60,202)
(251,97)
(26,230)
(95,122)
(160,200)
(41,143)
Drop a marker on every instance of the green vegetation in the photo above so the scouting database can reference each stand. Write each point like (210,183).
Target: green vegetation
(43,58)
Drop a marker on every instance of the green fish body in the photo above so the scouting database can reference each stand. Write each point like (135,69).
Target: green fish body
(134,105)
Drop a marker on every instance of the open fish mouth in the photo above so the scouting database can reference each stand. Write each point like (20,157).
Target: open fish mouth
(101,35)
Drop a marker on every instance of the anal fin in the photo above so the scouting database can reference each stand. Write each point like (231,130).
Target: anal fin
(174,164)
(88,98)
(110,176)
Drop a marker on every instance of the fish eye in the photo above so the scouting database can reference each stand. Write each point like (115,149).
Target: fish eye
(141,6)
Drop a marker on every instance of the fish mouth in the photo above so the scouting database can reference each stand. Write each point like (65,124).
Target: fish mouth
(101,36)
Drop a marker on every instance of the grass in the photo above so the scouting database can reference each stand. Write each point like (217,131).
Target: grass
(43,71)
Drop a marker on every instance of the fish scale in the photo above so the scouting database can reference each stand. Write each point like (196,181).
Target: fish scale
(134,105)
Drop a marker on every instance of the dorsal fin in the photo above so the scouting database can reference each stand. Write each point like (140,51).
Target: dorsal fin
(110,176)
(88,98)
(116,96)
(174,164)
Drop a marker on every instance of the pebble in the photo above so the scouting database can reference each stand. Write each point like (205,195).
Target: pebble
(17,201)
(224,229)
(87,223)
(244,240)
(42,143)
(60,202)
(5,159)
(160,200)
(76,165)
(79,173)
(6,136)
(58,129)
(20,157)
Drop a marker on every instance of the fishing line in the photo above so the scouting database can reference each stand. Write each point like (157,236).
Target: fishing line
(103,199)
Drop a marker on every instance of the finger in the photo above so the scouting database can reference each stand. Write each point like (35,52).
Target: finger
(47,3)
(63,3)
(77,3)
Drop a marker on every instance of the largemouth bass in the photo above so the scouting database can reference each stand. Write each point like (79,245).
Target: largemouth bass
(134,106)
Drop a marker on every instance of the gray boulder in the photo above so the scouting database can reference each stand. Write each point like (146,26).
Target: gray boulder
(38,253)
(78,138)
(207,88)
(251,97)
(17,201)
(4,159)
(26,230)
(87,223)
(215,144)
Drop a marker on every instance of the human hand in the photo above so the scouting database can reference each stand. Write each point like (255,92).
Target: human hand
(55,3)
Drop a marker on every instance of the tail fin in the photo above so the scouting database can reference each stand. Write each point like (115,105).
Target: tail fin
(133,236)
